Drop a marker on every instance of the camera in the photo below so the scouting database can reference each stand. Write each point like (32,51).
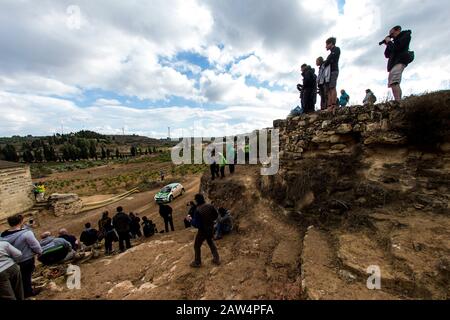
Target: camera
(383,41)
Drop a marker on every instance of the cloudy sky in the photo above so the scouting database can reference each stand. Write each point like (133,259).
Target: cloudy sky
(209,67)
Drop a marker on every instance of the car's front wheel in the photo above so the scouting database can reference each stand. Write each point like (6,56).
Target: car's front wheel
(170,198)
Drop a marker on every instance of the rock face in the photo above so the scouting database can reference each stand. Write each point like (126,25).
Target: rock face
(361,155)
(65,204)
(374,181)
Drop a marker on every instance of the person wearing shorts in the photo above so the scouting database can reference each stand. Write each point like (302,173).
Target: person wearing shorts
(397,51)
(333,62)
(395,75)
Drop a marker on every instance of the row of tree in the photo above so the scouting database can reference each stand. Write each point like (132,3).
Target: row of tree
(78,149)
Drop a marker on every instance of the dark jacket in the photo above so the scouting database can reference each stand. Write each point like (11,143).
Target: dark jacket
(309,92)
(309,78)
(102,222)
(165,211)
(207,215)
(397,50)
(135,224)
(333,59)
(89,237)
(71,239)
(122,222)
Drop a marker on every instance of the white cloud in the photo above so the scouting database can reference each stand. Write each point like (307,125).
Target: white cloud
(130,49)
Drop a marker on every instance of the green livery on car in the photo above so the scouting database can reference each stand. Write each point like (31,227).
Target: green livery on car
(169,192)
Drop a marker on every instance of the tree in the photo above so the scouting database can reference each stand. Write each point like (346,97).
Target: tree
(117,153)
(103,153)
(36,144)
(133,151)
(108,154)
(10,153)
(92,149)
(49,153)
(28,156)
(38,155)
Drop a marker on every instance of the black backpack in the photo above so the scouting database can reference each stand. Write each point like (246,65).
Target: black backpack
(411,56)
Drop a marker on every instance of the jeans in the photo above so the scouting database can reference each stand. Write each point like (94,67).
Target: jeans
(27,269)
(168,221)
(199,239)
(124,239)
(11,287)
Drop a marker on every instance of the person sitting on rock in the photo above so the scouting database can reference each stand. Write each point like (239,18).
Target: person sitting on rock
(187,220)
(89,236)
(148,227)
(135,227)
(224,224)
(370,98)
(64,234)
(55,250)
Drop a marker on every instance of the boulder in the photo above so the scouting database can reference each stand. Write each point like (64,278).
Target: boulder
(65,204)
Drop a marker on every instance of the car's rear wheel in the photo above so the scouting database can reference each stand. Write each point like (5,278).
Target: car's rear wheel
(182,191)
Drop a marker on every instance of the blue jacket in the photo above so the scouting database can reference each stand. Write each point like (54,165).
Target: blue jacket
(344,99)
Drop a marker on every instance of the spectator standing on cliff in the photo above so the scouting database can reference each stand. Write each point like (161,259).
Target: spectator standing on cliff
(397,51)
(213,167)
(109,234)
(309,95)
(24,240)
(333,62)
(222,164)
(165,211)
(203,220)
(344,99)
(122,223)
(370,98)
(323,78)
(11,287)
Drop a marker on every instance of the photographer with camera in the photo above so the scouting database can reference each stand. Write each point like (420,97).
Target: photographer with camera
(397,51)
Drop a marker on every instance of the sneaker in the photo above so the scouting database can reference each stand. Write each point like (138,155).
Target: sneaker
(195,265)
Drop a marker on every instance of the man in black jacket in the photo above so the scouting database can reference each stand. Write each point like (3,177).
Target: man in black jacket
(309,96)
(333,62)
(165,212)
(122,223)
(206,215)
(397,51)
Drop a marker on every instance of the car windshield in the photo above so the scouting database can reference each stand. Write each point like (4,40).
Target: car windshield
(166,189)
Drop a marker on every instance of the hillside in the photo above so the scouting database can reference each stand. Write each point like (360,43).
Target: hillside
(357,190)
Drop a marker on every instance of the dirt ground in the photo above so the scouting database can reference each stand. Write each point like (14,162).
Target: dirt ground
(260,259)
(142,204)
(269,255)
